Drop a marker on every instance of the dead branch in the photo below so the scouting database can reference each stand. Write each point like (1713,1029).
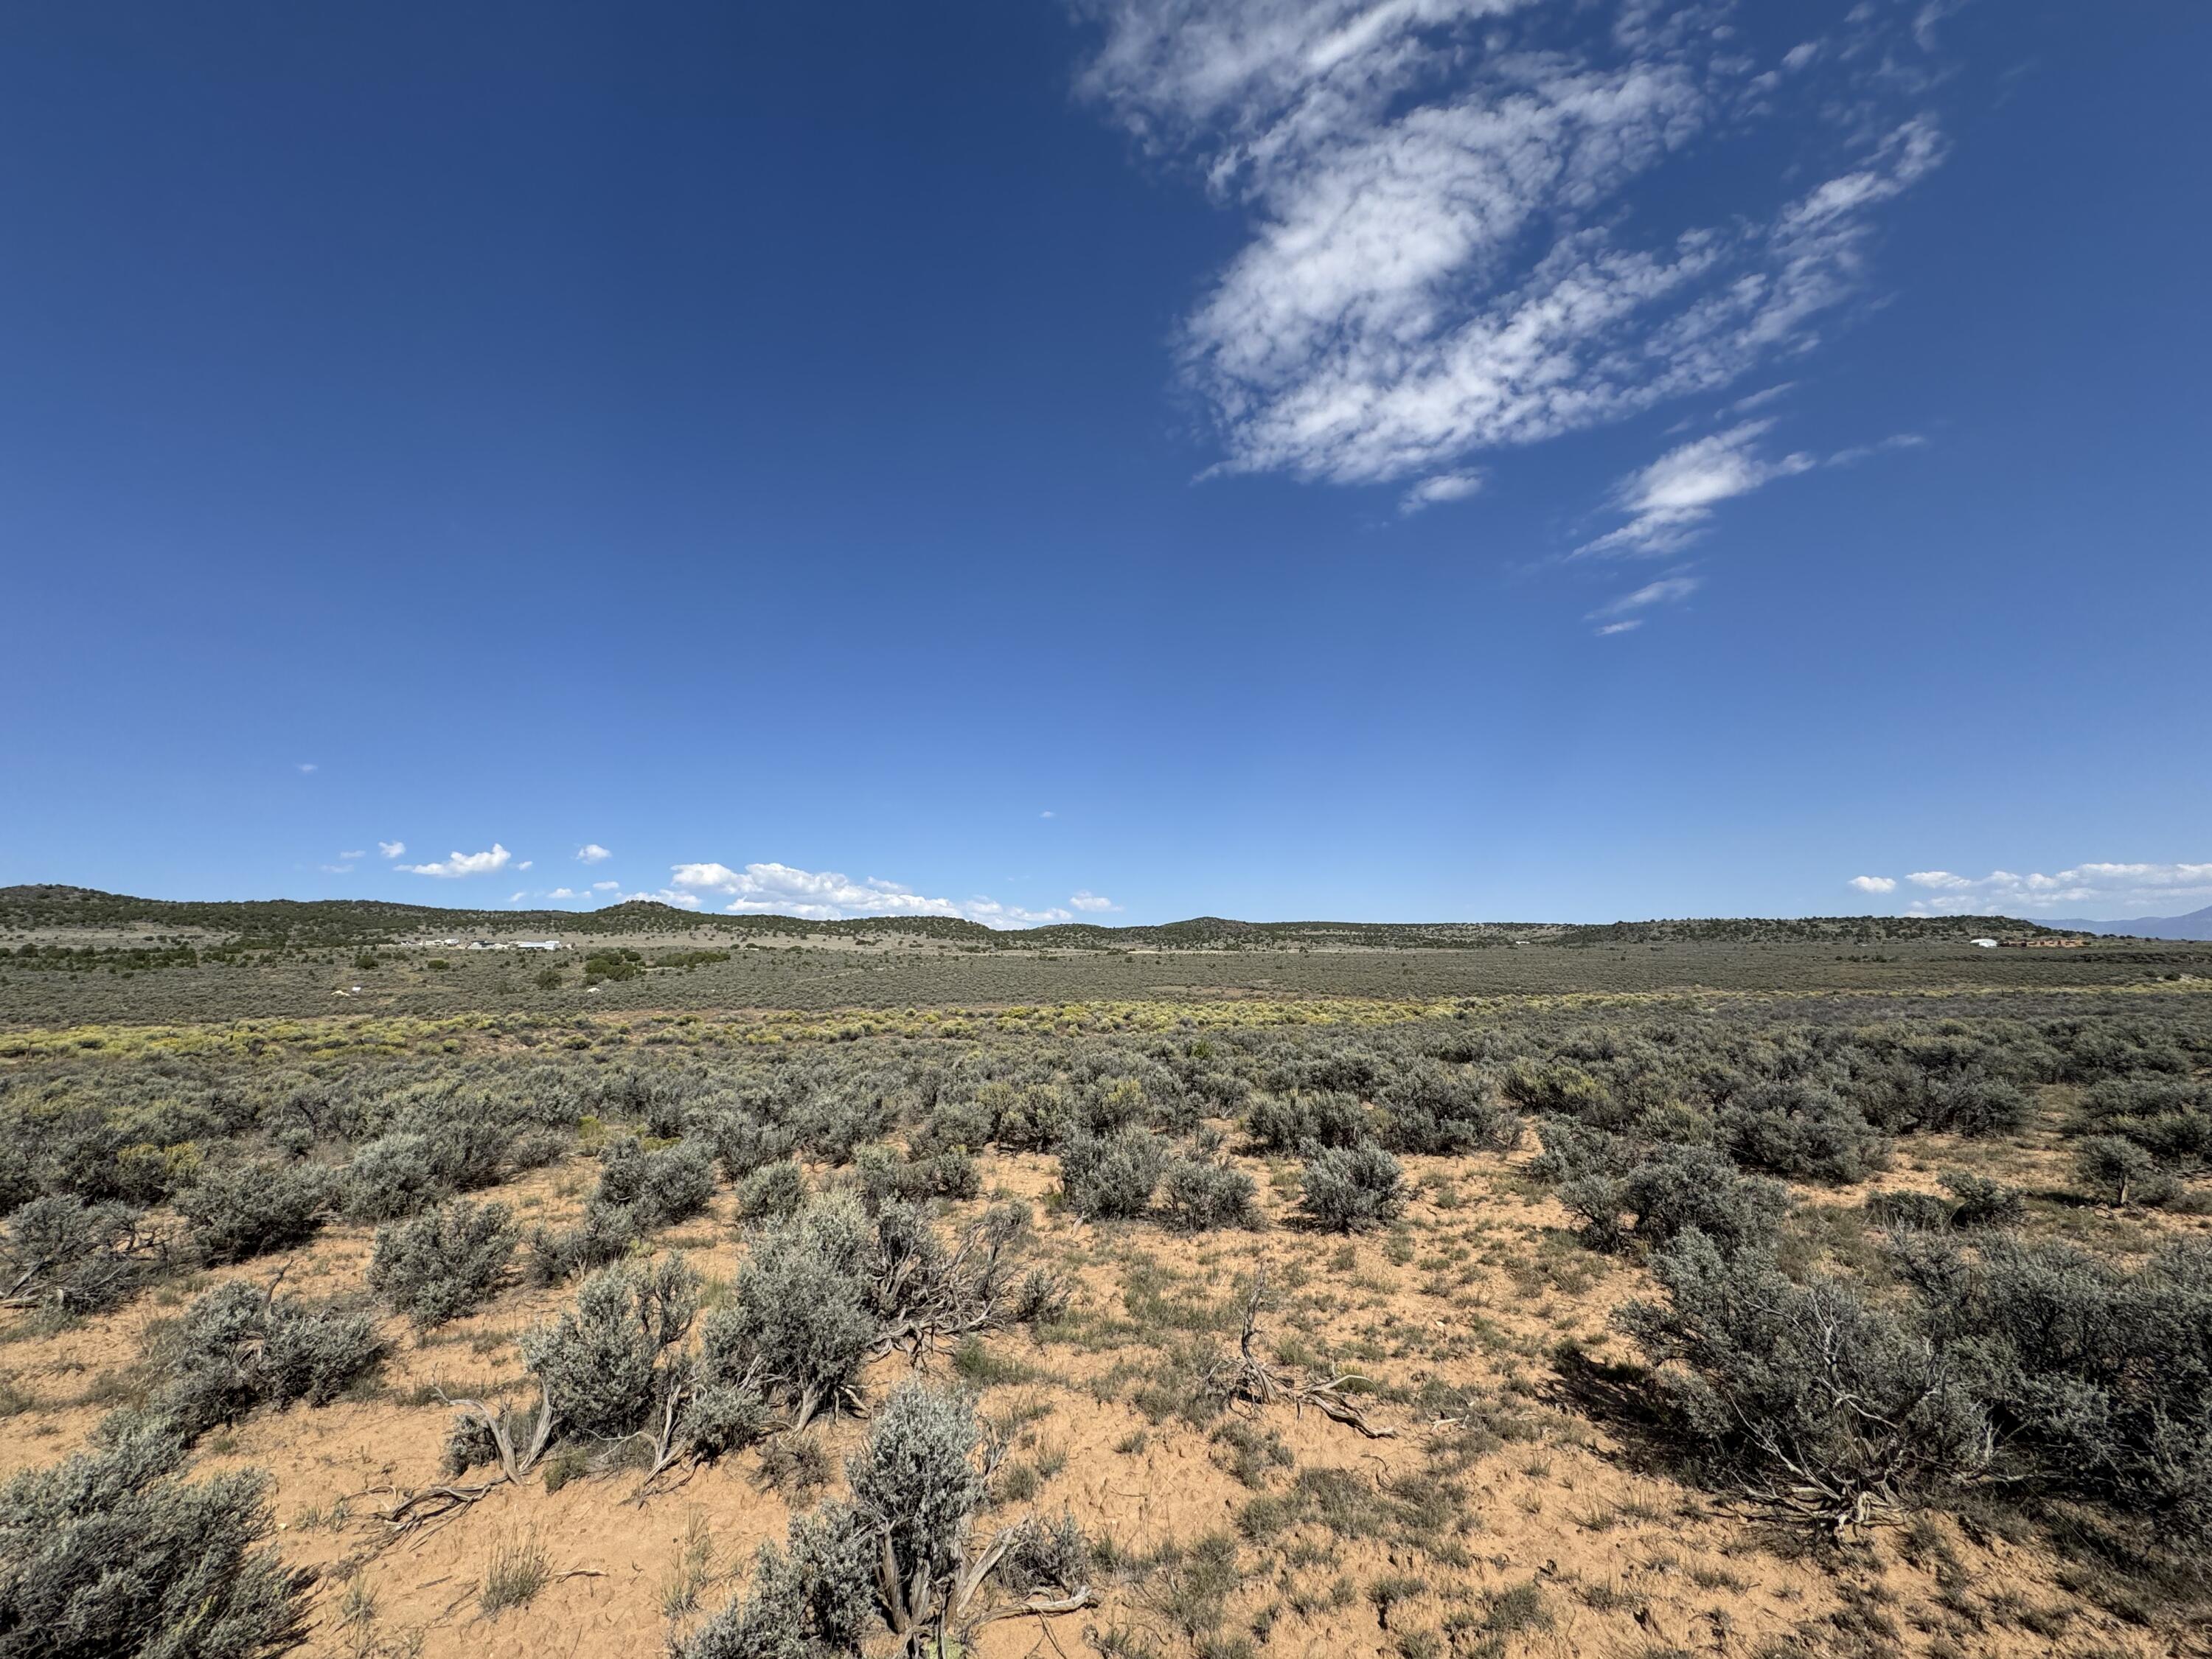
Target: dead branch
(1249,1382)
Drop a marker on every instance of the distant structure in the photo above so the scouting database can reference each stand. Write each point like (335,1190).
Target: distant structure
(1986,943)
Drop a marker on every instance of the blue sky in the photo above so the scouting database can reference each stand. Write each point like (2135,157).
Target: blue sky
(1473,458)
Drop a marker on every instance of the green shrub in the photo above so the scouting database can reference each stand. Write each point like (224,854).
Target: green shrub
(1799,1128)
(245,1210)
(800,1323)
(1109,1177)
(391,1176)
(2120,1172)
(1350,1189)
(1803,1386)
(59,1252)
(1622,1190)
(1303,1121)
(658,1188)
(1981,1202)
(437,1267)
(610,1359)
(110,1554)
(915,1484)
(1436,1110)
(773,1191)
(1199,1194)
(812,1600)
(239,1348)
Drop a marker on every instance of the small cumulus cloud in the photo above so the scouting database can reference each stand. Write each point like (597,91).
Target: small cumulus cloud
(463,864)
(563,893)
(591,852)
(606,887)
(390,849)
(1087,900)
(1874,884)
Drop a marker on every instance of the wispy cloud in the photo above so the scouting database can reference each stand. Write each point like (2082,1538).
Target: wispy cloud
(465,864)
(1440,260)
(2132,889)
(1445,487)
(591,852)
(308,766)
(829,895)
(337,869)
(350,857)
(1619,616)
(390,849)
(1670,502)
(606,887)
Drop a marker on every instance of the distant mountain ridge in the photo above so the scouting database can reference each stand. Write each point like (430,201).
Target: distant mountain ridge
(2196,925)
(296,923)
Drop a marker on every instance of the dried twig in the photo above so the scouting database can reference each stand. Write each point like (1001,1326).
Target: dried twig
(1251,1383)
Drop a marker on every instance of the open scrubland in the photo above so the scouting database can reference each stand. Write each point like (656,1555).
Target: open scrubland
(1783,1296)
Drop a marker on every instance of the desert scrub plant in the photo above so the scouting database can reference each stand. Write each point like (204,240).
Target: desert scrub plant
(1444,1111)
(1800,1128)
(441,1265)
(809,1600)
(800,1325)
(660,1187)
(111,1554)
(2121,1172)
(391,1176)
(1199,1194)
(1346,1189)
(614,1356)
(1820,1406)
(1111,1177)
(1979,1201)
(916,1485)
(243,1210)
(61,1252)
(772,1191)
(1303,1120)
(240,1347)
(1625,1190)
(2097,1377)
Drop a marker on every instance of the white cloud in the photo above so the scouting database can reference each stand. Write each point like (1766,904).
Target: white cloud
(606,887)
(1443,256)
(1048,813)
(1874,883)
(337,869)
(307,766)
(463,864)
(1087,900)
(350,857)
(564,893)
(390,849)
(516,898)
(1669,500)
(828,895)
(1445,487)
(591,852)
(2085,890)
(525,865)
(1668,590)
